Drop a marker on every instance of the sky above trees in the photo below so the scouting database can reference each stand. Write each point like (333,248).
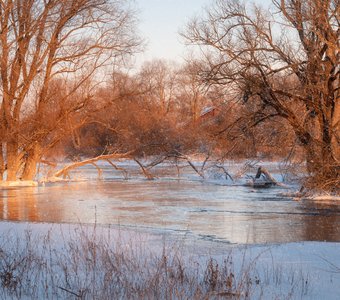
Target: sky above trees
(160,22)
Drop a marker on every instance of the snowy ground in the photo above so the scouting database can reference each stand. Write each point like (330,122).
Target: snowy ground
(304,270)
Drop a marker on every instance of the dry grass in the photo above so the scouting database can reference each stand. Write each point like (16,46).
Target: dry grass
(88,264)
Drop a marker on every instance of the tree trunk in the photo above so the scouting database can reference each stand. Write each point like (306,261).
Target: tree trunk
(31,161)
(313,161)
(330,166)
(12,160)
(320,160)
(336,128)
(2,163)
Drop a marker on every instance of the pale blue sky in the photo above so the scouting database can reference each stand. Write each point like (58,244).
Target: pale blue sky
(160,22)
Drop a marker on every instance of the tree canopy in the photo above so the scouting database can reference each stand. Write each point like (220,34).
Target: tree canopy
(43,43)
(286,61)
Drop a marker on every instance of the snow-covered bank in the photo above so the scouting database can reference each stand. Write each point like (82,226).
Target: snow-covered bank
(323,198)
(95,261)
(18,183)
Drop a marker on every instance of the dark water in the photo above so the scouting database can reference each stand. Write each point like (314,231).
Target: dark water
(206,210)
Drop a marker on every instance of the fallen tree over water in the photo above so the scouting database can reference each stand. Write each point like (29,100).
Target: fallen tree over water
(207,168)
(177,159)
(65,172)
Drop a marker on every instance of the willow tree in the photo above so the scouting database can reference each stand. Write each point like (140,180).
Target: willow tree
(41,43)
(286,60)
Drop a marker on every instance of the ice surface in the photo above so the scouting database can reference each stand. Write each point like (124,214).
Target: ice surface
(214,208)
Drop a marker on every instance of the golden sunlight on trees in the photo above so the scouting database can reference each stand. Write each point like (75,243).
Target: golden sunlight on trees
(46,45)
(158,80)
(165,110)
(267,82)
(286,62)
(192,90)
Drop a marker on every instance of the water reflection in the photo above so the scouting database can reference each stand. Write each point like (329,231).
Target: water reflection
(208,211)
(18,205)
(325,223)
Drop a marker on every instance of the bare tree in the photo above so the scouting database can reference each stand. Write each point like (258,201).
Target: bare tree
(287,62)
(158,81)
(41,41)
(192,89)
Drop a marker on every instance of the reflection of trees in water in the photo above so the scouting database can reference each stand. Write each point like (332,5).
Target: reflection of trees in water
(273,228)
(308,222)
(323,221)
(40,204)
(19,205)
(172,204)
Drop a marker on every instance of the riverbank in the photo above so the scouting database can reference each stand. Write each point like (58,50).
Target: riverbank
(46,261)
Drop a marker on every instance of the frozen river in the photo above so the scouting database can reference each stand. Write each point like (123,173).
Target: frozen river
(204,209)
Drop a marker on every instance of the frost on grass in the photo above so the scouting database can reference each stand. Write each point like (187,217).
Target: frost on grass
(102,263)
